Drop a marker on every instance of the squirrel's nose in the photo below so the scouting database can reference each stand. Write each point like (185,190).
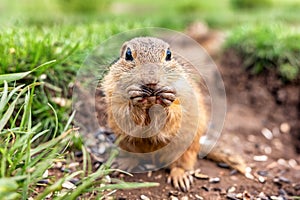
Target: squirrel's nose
(150,76)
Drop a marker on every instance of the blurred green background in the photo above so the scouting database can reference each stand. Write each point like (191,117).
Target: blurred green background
(175,14)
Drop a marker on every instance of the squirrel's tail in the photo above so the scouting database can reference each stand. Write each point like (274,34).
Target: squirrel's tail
(224,154)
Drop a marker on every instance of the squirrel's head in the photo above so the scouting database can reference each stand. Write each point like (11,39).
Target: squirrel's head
(147,71)
(145,61)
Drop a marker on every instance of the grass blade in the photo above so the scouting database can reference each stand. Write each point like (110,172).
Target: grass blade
(16,76)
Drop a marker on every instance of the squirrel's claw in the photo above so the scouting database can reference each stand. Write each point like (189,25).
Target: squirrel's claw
(180,179)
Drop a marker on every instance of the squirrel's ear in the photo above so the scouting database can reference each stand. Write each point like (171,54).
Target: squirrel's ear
(123,49)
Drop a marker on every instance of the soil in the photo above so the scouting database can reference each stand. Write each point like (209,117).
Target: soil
(262,125)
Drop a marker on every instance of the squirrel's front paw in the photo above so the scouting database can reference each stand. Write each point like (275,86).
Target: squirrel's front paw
(180,179)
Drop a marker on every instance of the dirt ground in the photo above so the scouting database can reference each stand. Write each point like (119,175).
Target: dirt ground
(262,125)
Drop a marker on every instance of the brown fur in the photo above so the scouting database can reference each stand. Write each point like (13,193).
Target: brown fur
(124,74)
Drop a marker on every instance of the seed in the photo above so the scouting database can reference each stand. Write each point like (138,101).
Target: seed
(261,158)
(285,127)
(293,163)
(261,179)
(239,196)
(231,189)
(267,133)
(201,176)
(268,150)
(214,180)
(144,197)
(198,197)
(173,198)
(45,174)
(68,185)
(184,198)
(231,197)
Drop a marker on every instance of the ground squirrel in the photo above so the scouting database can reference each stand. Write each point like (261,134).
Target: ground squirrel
(145,75)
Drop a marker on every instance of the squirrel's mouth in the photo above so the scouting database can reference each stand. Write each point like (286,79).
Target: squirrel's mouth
(146,95)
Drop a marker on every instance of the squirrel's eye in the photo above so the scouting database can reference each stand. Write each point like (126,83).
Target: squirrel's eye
(128,55)
(168,55)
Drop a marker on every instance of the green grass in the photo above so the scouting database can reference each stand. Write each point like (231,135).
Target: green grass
(35,130)
(262,47)
(68,45)
(24,161)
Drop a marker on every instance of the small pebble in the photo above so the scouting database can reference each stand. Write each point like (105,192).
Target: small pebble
(184,198)
(231,189)
(73,165)
(276,131)
(45,174)
(58,165)
(296,186)
(78,153)
(276,198)
(198,197)
(63,169)
(205,188)
(262,173)
(272,165)
(292,163)
(44,181)
(284,180)
(278,144)
(282,192)
(239,196)
(101,149)
(267,133)
(285,127)
(75,181)
(248,173)
(261,158)
(158,177)
(231,196)
(251,138)
(282,162)
(68,185)
(276,180)
(268,150)
(144,197)
(223,165)
(233,172)
(173,198)
(246,195)
(201,176)
(214,180)
(262,195)
(261,179)
(107,179)
(101,137)
(174,193)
